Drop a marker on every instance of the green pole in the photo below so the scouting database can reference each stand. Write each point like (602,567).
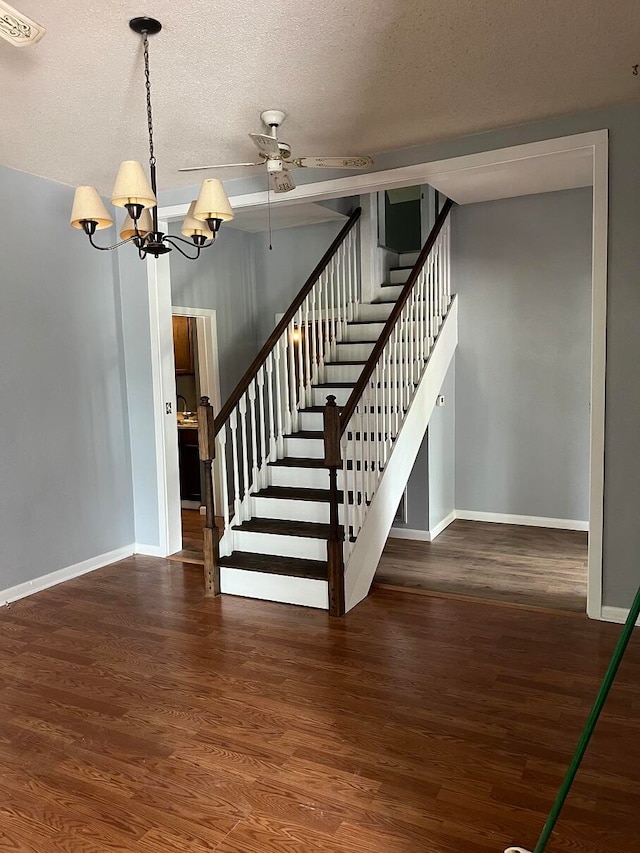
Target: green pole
(585,737)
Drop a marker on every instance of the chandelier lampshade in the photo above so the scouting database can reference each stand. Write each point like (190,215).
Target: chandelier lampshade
(89,207)
(192,227)
(132,186)
(145,226)
(212,205)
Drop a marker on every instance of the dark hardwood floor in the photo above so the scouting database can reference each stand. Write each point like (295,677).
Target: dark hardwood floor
(135,715)
(192,538)
(531,566)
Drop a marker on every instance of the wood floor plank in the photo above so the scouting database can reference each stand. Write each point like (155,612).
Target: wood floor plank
(530,566)
(137,715)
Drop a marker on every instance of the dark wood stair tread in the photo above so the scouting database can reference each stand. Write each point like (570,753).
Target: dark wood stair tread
(292,493)
(335,385)
(276,565)
(316,409)
(306,433)
(298,462)
(334,363)
(284,527)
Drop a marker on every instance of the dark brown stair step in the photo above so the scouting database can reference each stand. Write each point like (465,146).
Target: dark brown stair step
(298,462)
(276,565)
(291,493)
(306,433)
(284,527)
(317,409)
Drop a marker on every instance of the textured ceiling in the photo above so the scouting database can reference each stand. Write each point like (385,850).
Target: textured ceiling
(363,76)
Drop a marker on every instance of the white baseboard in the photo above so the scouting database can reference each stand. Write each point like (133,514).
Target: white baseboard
(526,520)
(442,525)
(408,533)
(148,550)
(423,535)
(22,590)
(190,505)
(616,614)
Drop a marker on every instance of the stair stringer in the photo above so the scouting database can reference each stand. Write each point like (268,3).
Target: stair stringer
(372,538)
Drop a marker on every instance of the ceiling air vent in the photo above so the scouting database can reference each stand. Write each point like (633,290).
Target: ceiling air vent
(17,28)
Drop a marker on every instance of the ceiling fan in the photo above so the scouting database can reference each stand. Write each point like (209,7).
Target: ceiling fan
(276,156)
(16,28)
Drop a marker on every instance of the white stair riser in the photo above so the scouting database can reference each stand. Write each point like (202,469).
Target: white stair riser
(285,546)
(301,478)
(342,372)
(391,292)
(376,312)
(408,259)
(354,352)
(399,276)
(364,332)
(304,448)
(320,395)
(292,510)
(290,590)
(310,420)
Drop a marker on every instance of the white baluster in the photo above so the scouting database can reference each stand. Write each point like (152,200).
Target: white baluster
(264,449)
(233,427)
(332,311)
(344,308)
(278,402)
(222,463)
(283,344)
(255,473)
(307,347)
(273,447)
(313,331)
(290,367)
(321,328)
(242,408)
(347,510)
(302,397)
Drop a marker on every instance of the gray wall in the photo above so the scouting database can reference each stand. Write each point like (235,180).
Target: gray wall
(65,462)
(224,280)
(281,273)
(522,269)
(441,437)
(622,462)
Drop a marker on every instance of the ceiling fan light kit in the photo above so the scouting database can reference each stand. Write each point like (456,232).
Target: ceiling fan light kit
(276,156)
(17,29)
(137,194)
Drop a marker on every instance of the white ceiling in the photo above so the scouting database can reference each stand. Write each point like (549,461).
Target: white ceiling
(256,219)
(358,77)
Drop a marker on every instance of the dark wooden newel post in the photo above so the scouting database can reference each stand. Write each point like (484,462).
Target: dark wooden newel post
(332,460)
(207,449)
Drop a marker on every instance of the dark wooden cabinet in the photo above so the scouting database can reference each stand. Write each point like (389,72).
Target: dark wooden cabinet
(189,464)
(183,344)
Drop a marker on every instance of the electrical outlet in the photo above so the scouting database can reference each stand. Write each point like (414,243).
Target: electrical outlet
(168,408)
(440,400)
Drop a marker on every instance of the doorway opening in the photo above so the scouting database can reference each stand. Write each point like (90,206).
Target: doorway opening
(497,506)
(196,372)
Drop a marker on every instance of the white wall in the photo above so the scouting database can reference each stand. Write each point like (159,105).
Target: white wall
(442,458)
(522,269)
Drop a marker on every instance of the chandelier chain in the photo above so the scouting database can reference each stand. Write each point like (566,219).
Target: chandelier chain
(147,76)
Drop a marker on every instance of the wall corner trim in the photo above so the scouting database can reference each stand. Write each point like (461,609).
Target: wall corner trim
(22,590)
(408,533)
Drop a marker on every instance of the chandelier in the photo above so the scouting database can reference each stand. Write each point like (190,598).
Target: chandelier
(137,195)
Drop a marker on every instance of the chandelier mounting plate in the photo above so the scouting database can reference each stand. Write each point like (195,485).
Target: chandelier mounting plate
(144,25)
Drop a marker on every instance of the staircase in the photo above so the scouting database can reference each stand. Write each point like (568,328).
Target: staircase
(314,448)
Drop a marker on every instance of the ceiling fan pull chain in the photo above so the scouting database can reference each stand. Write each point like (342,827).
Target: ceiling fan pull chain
(269,209)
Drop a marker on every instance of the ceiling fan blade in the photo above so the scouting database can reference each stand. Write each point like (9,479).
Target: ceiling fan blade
(363,162)
(265,144)
(282,182)
(218,166)
(17,28)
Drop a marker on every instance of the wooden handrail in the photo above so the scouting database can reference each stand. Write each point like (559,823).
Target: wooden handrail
(370,366)
(260,359)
